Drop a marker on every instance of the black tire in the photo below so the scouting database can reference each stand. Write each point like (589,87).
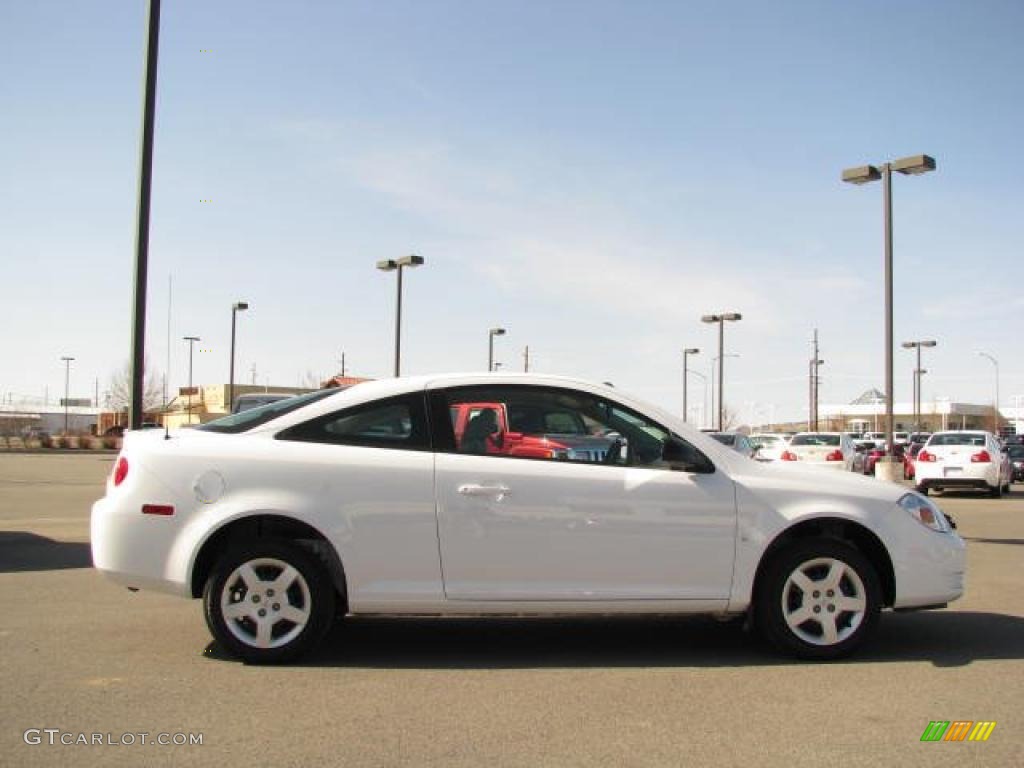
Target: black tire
(858,581)
(308,596)
(922,489)
(995,491)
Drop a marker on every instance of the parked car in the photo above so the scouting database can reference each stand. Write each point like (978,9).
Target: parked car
(833,450)
(365,501)
(1015,453)
(739,443)
(769,446)
(963,459)
(872,453)
(909,459)
(528,431)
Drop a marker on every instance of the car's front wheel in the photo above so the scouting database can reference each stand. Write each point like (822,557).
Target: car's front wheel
(268,601)
(819,599)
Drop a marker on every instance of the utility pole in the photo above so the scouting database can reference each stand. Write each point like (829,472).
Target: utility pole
(526,359)
(812,386)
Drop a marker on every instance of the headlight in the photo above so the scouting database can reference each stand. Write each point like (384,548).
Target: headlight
(925,512)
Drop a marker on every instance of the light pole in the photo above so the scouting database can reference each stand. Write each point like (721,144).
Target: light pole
(715,365)
(686,354)
(142,221)
(704,402)
(995,409)
(238,306)
(397,265)
(916,345)
(490,346)
(191,342)
(721,320)
(910,166)
(67,381)
(812,404)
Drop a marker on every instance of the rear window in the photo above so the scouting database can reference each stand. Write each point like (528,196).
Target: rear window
(1016,451)
(957,438)
(254,417)
(724,439)
(815,440)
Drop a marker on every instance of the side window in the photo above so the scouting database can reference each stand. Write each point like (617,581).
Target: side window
(545,424)
(397,423)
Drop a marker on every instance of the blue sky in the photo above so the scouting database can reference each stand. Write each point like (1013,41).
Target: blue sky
(593,176)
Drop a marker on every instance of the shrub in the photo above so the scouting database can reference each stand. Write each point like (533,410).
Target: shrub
(63,441)
(109,442)
(84,442)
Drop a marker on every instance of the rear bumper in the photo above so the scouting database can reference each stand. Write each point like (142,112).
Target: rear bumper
(133,549)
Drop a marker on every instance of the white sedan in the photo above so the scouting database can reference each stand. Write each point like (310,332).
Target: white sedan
(832,450)
(366,501)
(769,446)
(963,459)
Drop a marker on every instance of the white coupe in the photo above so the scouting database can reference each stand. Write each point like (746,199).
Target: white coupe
(369,501)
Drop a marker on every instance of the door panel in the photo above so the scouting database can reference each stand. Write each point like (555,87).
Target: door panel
(519,529)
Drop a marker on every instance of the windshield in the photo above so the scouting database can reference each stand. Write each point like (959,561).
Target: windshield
(815,440)
(246,420)
(957,438)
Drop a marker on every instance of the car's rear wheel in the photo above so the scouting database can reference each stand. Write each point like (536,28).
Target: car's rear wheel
(268,601)
(995,491)
(922,489)
(819,599)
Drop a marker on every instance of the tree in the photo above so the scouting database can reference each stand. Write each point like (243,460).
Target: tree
(730,418)
(119,389)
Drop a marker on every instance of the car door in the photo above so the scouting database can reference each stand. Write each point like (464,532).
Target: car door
(567,528)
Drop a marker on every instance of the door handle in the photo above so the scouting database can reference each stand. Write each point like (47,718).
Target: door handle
(499,492)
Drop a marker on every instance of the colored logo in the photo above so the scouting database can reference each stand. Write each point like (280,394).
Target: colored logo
(958,730)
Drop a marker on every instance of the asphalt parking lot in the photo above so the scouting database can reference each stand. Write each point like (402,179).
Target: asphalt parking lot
(84,656)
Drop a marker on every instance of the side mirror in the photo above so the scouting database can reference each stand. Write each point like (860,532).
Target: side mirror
(683,457)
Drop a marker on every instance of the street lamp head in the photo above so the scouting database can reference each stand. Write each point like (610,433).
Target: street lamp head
(691,351)
(190,338)
(411,260)
(862,174)
(914,165)
(67,359)
(929,343)
(732,316)
(387,265)
(497,331)
(908,344)
(239,306)
(710,318)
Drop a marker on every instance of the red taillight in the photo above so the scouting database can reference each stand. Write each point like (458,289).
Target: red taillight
(788,456)
(835,456)
(120,470)
(157,509)
(925,456)
(981,457)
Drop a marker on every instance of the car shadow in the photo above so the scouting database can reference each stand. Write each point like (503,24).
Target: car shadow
(984,540)
(943,638)
(21,552)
